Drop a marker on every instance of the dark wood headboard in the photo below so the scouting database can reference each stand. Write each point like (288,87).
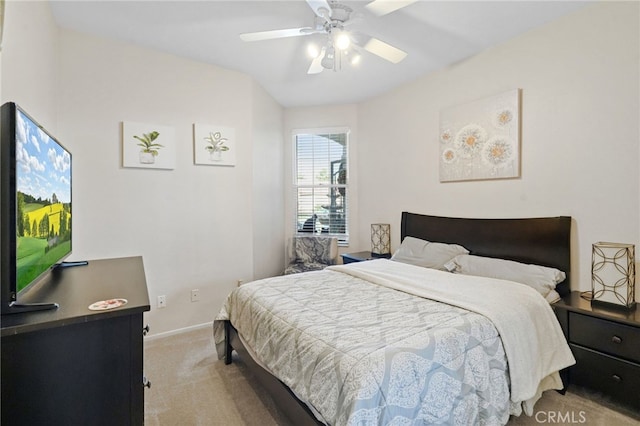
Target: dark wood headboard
(542,241)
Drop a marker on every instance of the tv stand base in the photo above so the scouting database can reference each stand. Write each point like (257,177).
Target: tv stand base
(17,308)
(70,264)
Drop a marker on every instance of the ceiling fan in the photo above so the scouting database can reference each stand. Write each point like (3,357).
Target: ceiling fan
(332,18)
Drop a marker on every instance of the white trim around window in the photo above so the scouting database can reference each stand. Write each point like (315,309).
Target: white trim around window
(321,182)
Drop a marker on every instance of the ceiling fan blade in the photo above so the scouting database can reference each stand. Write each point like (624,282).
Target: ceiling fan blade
(320,8)
(384,7)
(384,50)
(268,35)
(316,65)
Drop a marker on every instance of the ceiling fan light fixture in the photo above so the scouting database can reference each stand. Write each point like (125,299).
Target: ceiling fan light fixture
(324,13)
(342,40)
(329,60)
(313,50)
(331,18)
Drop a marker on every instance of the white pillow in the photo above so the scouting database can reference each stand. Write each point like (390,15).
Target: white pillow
(540,278)
(427,254)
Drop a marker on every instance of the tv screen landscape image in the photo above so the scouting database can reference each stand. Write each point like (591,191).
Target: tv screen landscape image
(43,201)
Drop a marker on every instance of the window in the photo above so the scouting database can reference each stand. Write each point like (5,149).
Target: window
(321,183)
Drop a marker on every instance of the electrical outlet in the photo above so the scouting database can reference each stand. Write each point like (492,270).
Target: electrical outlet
(239,283)
(162,302)
(195,295)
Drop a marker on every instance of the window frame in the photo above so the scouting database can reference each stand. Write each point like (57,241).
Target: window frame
(343,238)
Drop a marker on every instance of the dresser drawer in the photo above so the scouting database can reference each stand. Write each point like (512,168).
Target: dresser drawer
(606,336)
(616,378)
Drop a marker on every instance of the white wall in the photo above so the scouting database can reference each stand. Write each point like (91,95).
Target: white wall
(580,134)
(28,72)
(268,186)
(194,225)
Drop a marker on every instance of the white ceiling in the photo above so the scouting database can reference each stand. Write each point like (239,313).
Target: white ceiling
(435,34)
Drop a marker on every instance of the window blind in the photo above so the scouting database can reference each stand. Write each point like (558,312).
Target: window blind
(321,184)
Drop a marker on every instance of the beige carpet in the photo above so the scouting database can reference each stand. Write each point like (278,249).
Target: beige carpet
(190,386)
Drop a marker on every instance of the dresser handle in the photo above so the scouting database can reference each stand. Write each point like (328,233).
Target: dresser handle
(616,378)
(146,382)
(145,330)
(616,339)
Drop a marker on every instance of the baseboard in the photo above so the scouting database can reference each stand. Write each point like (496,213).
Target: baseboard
(179,331)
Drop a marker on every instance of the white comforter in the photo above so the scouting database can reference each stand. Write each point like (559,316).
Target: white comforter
(532,338)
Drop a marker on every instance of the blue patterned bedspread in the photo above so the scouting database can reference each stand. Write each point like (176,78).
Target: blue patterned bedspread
(363,354)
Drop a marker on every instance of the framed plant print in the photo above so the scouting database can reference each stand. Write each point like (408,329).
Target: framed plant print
(214,145)
(148,146)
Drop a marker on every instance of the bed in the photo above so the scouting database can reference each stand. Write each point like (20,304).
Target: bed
(386,342)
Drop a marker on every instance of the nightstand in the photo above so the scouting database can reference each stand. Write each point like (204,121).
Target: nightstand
(362,256)
(606,344)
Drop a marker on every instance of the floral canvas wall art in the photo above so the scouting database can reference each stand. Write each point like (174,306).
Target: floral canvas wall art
(148,146)
(481,139)
(214,145)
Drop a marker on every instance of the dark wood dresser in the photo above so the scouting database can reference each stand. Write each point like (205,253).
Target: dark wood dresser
(72,365)
(606,344)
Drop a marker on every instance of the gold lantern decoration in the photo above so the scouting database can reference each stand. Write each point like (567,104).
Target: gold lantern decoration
(613,274)
(380,239)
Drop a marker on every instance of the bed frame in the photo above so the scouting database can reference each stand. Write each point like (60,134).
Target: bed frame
(542,241)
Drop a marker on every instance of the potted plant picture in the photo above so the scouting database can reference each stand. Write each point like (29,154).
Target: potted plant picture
(148,145)
(149,149)
(215,146)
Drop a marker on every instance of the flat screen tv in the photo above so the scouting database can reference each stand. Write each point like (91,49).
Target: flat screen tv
(35,214)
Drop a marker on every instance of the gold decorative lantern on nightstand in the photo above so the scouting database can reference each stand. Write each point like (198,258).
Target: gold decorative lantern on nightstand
(613,274)
(380,239)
